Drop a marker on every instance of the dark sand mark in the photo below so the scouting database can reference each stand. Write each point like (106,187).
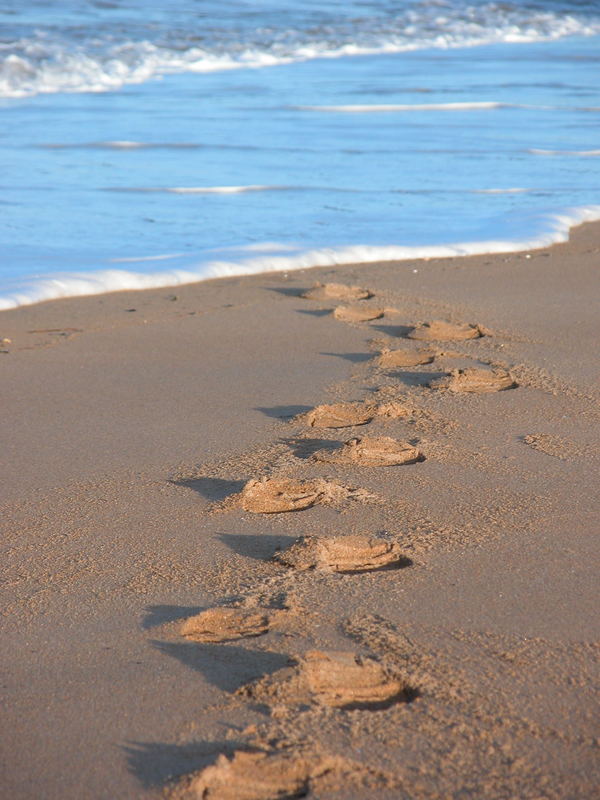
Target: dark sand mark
(274,495)
(337,291)
(388,359)
(479,381)
(442,331)
(352,553)
(357,312)
(226,624)
(372,451)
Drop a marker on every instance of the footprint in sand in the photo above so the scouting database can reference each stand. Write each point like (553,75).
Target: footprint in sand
(442,331)
(388,359)
(335,679)
(274,495)
(352,553)
(348,680)
(357,312)
(479,381)
(372,451)
(337,291)
(227,624)
(262,776)
(346,415)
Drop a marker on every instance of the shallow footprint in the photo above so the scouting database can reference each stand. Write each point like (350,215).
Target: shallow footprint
(479,381)
(358,312)
(260,776)
(372,451)
(337,291)
(226,624)
(273,495)
(353,553)
(441,331)
(348,680)
(389,359)
(346,415)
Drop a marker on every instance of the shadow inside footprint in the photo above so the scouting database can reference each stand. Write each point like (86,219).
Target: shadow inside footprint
(354,358)
(287,291)
(159,615)
(225,666)
(417,378)
(305,448)
(401,331)
(214,489)
(156,763)
(260,546)
(315,312)
(283,412)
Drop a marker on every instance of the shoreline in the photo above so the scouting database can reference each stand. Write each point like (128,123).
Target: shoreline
(559,226)
(133,418)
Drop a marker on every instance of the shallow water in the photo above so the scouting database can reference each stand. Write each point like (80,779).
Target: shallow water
(144,148)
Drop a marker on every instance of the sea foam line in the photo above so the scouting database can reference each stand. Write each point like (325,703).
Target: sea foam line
(580,153)
(549,229)
(485,105)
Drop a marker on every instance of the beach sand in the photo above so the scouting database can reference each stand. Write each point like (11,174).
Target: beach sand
(429,625)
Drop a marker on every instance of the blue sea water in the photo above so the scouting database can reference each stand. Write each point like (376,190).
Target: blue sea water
(149,146)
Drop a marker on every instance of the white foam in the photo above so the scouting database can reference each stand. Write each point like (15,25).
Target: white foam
(516,190)
(197,189)
(544,231)
(361,109)
(49,61)
(580,153)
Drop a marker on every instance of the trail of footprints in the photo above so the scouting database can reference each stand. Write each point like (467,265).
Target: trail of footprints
(337,680)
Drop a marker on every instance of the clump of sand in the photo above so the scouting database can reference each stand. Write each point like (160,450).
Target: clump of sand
(372,451)
(478,381)
(352,553)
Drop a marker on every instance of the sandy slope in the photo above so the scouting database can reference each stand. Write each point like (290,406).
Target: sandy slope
(433,630)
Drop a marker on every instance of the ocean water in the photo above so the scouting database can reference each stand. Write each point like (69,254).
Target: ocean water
(151,146)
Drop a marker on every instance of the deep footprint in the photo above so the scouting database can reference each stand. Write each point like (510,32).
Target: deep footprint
(261,776)
(346,415)
(274,495)
(358,312)
(347,680)
(388,359)
(347,554)
(372,451)
(478,381)
(227,624)
(337,291)
(442,331)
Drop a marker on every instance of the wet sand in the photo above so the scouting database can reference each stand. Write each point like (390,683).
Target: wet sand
(428,626)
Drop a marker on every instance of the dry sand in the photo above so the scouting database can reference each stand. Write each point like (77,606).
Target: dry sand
(134,426)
